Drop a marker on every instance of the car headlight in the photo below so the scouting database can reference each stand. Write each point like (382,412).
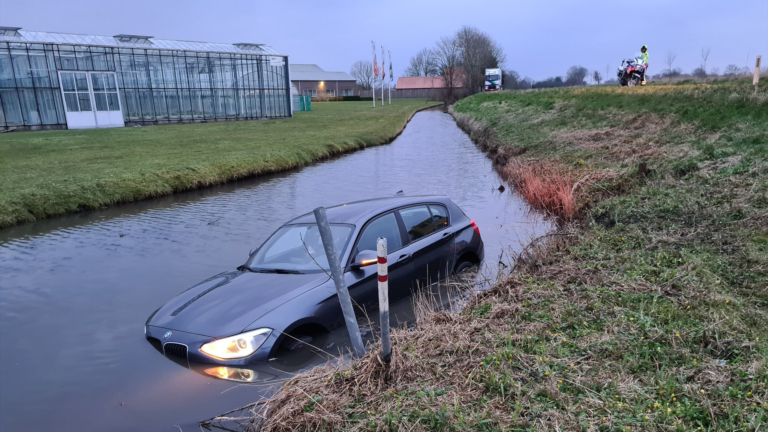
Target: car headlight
(237,346)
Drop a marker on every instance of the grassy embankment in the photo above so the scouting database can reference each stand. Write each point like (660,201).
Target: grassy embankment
(650,315)
(52,173)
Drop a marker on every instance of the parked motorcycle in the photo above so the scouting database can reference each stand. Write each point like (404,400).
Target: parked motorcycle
(631,71)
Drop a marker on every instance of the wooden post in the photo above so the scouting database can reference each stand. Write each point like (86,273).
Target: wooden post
(757,72)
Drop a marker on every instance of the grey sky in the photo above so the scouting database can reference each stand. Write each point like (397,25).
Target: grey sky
(540,38)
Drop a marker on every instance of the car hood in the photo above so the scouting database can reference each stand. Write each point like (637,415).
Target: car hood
(226,304)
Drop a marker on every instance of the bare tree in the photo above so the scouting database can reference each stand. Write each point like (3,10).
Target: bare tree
(671,59)
(575,76)
(362,72)
(448,56)
(478,52)
(597,77)
(704,57)
(423,64)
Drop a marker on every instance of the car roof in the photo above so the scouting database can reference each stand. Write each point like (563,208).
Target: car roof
(352,212)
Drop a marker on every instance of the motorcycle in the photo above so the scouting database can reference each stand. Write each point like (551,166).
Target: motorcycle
(631,71)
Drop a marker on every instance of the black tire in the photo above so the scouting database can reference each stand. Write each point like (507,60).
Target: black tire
(462,267)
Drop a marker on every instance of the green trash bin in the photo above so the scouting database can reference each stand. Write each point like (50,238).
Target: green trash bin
(301,103)
(308,103)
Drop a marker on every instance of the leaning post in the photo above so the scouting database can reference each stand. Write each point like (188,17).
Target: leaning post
(338,279)
(756,78)
(386,347)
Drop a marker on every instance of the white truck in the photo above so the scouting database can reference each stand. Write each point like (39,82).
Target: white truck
(492,80)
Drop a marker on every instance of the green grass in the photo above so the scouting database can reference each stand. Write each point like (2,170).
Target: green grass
(651,315)
(56,172)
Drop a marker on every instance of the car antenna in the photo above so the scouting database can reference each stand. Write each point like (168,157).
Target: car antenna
(399,193)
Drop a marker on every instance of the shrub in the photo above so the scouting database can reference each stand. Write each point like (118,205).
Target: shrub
(350,98)
(547,186)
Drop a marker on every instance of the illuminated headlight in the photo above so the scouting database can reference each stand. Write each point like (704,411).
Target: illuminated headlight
(232,374)
(237,346)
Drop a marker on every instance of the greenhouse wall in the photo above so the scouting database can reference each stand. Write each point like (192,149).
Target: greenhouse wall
(42,85)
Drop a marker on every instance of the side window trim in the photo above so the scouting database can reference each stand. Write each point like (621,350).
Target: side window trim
(353,250)
(429,206)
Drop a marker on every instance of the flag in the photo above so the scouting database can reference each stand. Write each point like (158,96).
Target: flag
(375,63)
(383,67)
(391,75)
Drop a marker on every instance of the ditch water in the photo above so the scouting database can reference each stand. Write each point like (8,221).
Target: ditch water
(75,291)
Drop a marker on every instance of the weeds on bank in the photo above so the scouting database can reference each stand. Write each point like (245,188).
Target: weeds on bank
(651,316)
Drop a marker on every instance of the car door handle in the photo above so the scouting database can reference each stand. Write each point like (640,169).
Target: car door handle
(404,257)
(446,234)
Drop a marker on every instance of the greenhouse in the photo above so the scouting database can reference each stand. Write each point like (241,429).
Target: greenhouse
(72,81)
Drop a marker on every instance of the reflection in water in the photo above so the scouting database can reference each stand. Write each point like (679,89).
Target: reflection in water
(82,286)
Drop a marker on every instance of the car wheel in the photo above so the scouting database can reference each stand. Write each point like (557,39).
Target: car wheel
(463,267)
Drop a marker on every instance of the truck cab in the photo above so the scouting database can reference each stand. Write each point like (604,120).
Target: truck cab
(492,80)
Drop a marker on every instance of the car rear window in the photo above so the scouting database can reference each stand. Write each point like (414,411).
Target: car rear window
(418,222)
(440,216)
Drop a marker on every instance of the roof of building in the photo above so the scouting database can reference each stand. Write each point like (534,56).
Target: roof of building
(313,72)
(15,34)
(425,82)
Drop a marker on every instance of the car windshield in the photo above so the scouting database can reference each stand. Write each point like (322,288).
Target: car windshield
(298,248)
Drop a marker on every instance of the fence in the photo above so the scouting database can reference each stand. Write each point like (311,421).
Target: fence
(433,94)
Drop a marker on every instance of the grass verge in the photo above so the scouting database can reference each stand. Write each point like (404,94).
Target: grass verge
(56,172)
(650,314)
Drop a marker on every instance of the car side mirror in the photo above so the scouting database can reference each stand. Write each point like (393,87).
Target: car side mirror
(365,259)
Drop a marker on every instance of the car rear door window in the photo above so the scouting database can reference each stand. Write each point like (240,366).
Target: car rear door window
(440,216)
(385,226)
(418,222)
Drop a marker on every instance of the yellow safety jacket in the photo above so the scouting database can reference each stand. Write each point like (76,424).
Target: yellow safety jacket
(644,56)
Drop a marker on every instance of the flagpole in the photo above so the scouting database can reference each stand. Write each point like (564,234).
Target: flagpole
(382,75)
(373,83)
(390,77)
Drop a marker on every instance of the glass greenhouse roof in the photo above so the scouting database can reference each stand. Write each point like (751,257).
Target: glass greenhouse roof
(128,41)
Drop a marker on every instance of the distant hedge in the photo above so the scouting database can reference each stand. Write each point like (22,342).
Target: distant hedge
(350,98)
(364,98)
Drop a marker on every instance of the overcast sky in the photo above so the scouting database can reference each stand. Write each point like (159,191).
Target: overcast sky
(541,38)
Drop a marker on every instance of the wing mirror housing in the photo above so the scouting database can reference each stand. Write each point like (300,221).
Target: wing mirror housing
(364,259)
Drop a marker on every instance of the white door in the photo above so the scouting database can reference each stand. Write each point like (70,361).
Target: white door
(91,100)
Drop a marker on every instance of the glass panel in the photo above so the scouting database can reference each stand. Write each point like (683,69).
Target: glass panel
(68,81)
(21,68)
(142,70)
(71,102)
(109,82)
(99,61)
(219,103)
(418,222)
(132,107)
(440,216)
(113,103)
(6,70)
(101,101)
(83,58)
(59,106)
(229,100)
(97,81)
(172,99)
(185,100)
(385,226)
(298,247)
(196,103)
(11,108)
(160,108)
(47,106)
(169,72)
(180,65)
(208,104)
(147,108)
(68,61)
(194,77)
(81,80)
(226,71)
(29,107)
(156,72)
(85,101)
(2,114)
(39,67)
(52,75)
(215,66)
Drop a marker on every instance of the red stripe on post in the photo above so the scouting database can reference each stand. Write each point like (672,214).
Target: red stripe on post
(382,260)
(382,278)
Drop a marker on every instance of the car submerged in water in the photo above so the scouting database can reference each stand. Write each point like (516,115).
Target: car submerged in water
(285,291)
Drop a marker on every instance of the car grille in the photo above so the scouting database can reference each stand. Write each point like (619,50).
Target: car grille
(175,349)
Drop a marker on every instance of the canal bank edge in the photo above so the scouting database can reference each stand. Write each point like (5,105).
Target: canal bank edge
(648,316)
(16,213)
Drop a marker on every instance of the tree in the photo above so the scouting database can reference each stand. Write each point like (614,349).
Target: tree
(362,72)
(704,57)
(448,60)
(510,79)
(477,52)
(423,64)
(700,72)
(671,59)
(597,77)
(732,70)
(575,76)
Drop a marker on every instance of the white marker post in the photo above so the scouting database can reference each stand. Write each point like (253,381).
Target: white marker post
(757,72)
(386,348)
